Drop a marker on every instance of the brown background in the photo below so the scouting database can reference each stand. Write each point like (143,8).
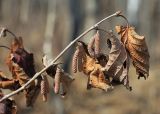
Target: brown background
(47,26)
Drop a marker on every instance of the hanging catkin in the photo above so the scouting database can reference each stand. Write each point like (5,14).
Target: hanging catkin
(62,90)
(79,63)
(44,87)
(75,60)
(91,47)
(97,44)
(57,80)
(81,56)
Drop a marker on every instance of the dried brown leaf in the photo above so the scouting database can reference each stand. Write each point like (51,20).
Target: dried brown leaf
(92,68)
(117,66)
(88,65)
(7,106)
(19,74)
(5,83)
(137,49)
(97,80)
(21,65)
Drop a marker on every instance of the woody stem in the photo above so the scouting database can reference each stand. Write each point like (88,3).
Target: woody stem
(122,16)
(62,52)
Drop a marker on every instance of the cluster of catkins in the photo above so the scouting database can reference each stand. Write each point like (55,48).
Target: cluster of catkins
(21,65)
(104,71)
(62,80)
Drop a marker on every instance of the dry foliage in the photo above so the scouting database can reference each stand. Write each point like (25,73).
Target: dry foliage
(6,83)
(21,65)
(117,66)
(137,48)
(103,71)
(7,106)
(92,68)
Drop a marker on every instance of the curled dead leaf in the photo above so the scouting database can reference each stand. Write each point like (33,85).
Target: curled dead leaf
(21,65)
(117,66)
(137,48)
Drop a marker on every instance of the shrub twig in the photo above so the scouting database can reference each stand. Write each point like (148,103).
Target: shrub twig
(62,52)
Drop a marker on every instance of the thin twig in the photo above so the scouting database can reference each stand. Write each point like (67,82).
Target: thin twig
(11,33)
(53,62)
(126,31)
(4,30)
(105,31)
(120,15)
(5,47)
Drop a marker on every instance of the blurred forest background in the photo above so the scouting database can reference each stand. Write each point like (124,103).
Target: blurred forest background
(47,26)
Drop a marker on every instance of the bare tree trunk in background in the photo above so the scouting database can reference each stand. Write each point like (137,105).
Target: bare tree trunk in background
(155,30)
(146,17)
(6,9)
(24,10)
(146,20)
(50,25)
(120,5)
(133,6)
(90,10)
(0,10)
(158,15)
(10,12)
(77,16)
(101,12)
(47,48)
(63,30)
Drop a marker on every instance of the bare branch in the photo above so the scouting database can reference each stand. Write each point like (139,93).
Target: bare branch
(4,31)
(5,47)
(62,52)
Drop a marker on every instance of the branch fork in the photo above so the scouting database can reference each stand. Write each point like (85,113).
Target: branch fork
(94,27)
